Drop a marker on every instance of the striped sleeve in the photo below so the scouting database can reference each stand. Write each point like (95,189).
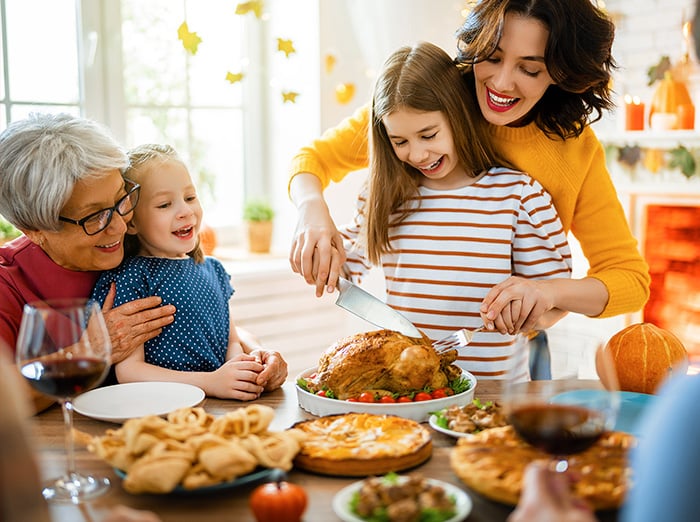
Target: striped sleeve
(540,246)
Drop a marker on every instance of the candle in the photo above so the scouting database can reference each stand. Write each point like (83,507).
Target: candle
(686,116)
(634,113)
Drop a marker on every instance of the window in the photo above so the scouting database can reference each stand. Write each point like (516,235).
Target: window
(122,63)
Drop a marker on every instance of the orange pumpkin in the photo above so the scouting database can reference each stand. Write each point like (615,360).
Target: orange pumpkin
(669,94)
(279,501)
(207,239)
(645,355)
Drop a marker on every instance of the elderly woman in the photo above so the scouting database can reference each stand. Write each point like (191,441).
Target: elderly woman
(61,185)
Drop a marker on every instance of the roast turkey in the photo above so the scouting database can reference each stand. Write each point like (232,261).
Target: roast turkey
(384,361)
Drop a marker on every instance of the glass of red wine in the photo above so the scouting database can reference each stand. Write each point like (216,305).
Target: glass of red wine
(568,413)
(63,350)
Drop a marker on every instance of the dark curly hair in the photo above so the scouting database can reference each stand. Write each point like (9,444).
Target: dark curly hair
(577,55)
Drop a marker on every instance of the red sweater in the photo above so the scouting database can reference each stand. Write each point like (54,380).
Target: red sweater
(27,274)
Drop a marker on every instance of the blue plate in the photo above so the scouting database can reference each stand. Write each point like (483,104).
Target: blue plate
(257,475)
(632,406)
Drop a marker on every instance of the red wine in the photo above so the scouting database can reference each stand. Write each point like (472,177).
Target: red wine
(558,429)
(64,378)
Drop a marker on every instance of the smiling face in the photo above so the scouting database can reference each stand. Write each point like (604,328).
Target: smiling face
(424,141)
(168,215)
(71,247)
(514,78)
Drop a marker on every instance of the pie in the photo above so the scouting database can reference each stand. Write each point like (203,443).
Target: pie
(492,463)
(362,444)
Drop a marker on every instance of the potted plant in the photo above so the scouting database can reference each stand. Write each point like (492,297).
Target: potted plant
(258,214)
(7,231)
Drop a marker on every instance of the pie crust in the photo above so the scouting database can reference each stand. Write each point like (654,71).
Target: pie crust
(492,463)
(362,444)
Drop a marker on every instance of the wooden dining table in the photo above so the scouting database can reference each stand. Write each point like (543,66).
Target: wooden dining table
(232,504)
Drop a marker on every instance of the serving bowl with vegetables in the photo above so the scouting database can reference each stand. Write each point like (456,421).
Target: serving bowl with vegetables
(415,404)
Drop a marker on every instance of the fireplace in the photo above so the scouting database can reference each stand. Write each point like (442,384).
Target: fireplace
(668,229)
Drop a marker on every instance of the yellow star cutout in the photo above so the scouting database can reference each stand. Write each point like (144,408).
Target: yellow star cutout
(289,96)
(255,7)
(286,46)
(330,61)
(234,77)
(190,40)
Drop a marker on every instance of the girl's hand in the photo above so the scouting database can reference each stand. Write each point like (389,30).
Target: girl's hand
(516,305)
(547,497)
(236,379)
(132,324)
(317,251)
(274,369)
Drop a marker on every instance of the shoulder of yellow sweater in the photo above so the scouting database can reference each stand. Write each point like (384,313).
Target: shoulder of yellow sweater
(532,134)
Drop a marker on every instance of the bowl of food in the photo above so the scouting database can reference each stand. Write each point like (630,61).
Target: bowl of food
(417,405)
(433,499)
(384,372)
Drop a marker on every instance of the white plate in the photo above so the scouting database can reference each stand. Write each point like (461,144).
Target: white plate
(136,399)
(433,424)
(341,501)
(417,411)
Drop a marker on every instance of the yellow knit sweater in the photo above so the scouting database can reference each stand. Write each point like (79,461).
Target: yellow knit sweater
(572,171)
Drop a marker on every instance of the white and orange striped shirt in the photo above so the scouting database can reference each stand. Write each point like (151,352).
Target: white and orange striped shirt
(456,245)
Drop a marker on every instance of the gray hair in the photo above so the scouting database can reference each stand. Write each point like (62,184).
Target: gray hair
(43,157)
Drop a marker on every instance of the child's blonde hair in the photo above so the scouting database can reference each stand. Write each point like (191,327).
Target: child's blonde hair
(140,163)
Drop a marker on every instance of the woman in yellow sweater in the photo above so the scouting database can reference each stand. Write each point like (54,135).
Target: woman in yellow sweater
(540,71)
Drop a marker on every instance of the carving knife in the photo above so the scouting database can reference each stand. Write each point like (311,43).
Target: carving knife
(364,305)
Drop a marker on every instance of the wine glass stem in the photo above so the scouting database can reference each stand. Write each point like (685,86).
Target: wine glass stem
(67,407)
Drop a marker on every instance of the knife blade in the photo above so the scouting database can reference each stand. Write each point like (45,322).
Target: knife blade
(365,306)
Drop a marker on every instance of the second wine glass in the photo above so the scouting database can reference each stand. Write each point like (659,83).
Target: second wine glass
(63,350)
(569,412)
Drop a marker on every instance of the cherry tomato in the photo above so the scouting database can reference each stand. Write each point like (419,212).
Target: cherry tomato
(387,399)
(404,398)
(321,393)
(352,399)
(366,397)
(422,396)
(440,393)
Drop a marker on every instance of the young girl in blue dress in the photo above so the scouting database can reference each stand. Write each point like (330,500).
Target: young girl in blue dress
(202,346)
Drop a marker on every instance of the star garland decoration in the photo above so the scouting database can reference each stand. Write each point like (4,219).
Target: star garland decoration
(255,7)
(286,46)
(190,40)
(682,158)
(289,96)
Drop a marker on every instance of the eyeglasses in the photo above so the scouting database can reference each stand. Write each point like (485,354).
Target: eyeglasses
(98,221)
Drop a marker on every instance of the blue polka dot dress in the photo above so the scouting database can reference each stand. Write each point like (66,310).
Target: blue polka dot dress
(198,337)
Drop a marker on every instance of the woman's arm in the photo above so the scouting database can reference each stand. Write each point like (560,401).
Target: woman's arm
(338,151)
(131,324)
(601,227)
(575,174)
(316,241)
